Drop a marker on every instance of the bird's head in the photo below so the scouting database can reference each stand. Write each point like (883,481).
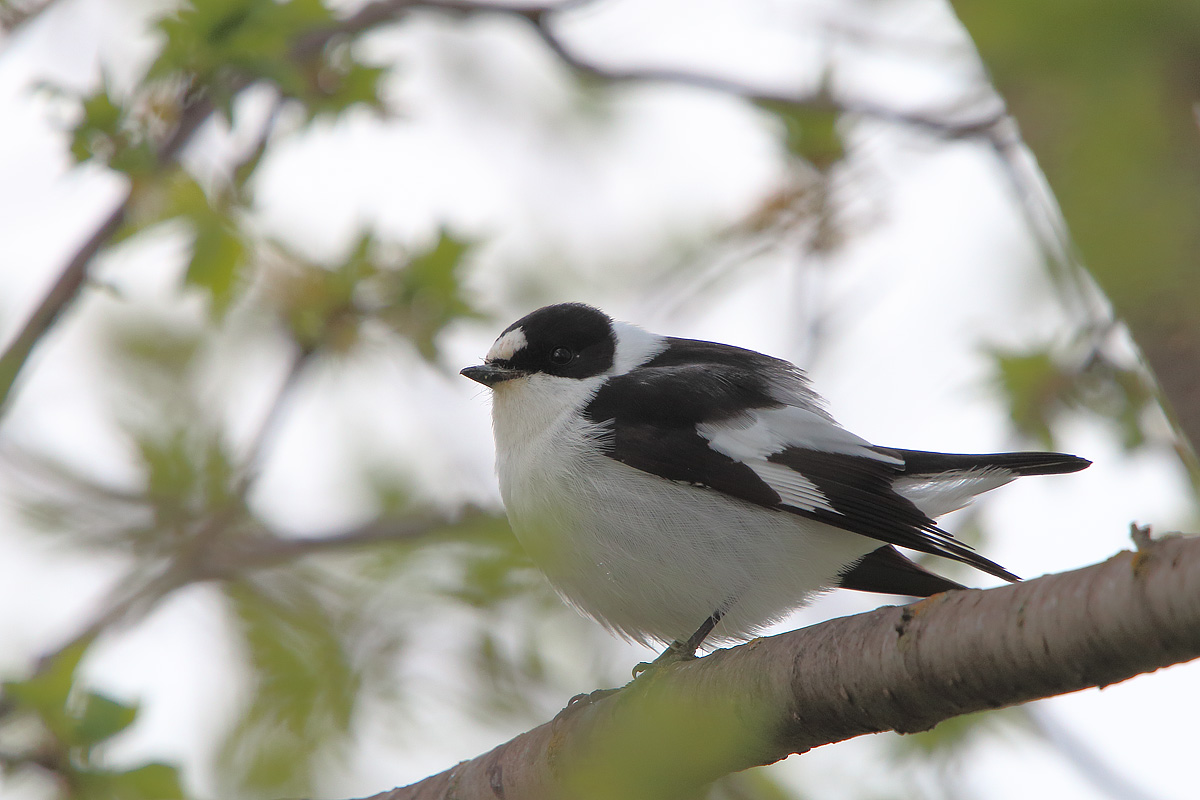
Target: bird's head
(569,340)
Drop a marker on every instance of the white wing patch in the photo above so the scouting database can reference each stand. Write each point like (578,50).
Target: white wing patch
(761,432)
(751,437)
(944,492)
(793,488)
(507,345)
(635,346)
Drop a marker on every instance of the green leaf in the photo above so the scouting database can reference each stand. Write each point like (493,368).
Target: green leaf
(154,781)
(188,472)
(952,737)
(809,132)
(433,270)
(102,718)
(1133,395)
(171,472)
(1038,389)
(218,256)
(319,304)
(249,38)
(752,784)
(306,685)
(360,84)
(426,295)
(101,117)
(217,473)
(334,90)
(1034,385)
(492,574)
(204,36)
(47,692)
(105,134)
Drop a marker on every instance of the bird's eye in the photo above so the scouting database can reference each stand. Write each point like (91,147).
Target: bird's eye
(561,356)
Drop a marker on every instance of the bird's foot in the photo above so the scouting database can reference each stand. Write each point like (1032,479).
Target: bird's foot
(591,697)
(675,653)
(586,699)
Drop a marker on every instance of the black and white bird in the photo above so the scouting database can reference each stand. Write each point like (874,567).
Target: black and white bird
(686,491)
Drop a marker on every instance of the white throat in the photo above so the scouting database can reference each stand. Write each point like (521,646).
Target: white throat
(524,410)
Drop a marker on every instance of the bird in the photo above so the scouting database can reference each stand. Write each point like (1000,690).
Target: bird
(691,493)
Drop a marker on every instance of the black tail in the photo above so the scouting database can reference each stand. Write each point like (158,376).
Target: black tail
(921,462)
(885,571)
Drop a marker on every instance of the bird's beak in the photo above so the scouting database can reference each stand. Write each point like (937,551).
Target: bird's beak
(490,374)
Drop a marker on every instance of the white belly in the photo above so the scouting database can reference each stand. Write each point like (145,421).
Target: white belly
(655,566)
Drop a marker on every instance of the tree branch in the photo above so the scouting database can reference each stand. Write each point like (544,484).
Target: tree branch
(195,110)
(138,593)
(269,549)
(899,669)
(198,107)
(61,294)
(252,461)
(15,13)
(942,123)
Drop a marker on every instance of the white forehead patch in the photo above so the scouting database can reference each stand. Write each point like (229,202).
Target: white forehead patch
(507,345)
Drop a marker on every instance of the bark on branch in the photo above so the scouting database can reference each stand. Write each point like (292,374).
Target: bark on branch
(897,668)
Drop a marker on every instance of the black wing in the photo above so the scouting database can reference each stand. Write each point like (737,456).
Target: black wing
(862,499)
(650,414)
(923,462)
(650,417)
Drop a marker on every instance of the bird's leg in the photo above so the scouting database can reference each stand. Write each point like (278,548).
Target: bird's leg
(676,651)
(683,651)
(688,649)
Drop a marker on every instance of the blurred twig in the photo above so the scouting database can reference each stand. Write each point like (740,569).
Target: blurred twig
(132,596)
(1090,765)
(198,106)
(15,13)
(943,122)
(60,296)
(35,467)
(221,546)
(270,549)
(223,559)
(196,109)
(252,460)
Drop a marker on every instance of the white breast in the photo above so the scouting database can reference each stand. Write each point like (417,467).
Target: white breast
(647,557)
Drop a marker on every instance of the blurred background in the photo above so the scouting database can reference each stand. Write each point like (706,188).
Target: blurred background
(251,543)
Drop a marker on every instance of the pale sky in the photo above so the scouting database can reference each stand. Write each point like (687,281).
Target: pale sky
(938,267)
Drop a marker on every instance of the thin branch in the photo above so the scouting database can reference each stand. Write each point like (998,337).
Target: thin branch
(541,16)
(269,426)
(1090,765)
(129,600)
(217,558)
(942,123)
(22,464)
(198,108)
(64,291)
(270,549)
(899,669)
(14,14)
(60,296)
